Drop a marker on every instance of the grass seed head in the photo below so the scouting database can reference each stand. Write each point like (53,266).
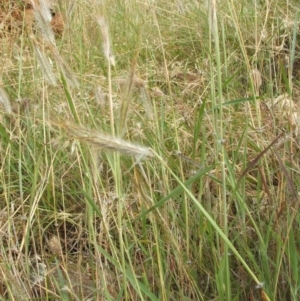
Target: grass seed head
(55,245)
(43,18)
(4,100)
(106,141)
(257,80)
(106,45)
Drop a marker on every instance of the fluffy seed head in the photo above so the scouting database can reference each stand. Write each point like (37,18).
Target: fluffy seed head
(106,141)
(4,100)
(105,40)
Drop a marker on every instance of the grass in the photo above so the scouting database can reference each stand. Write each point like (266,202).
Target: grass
(152,153)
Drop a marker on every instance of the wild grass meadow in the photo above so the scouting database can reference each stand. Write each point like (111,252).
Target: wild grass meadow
(151,152)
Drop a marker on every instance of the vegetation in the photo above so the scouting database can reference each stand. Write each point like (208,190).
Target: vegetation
(152,152)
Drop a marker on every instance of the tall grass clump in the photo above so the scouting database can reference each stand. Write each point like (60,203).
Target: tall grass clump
(151,152)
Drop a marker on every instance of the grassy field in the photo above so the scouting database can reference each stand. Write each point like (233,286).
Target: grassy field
(152,152)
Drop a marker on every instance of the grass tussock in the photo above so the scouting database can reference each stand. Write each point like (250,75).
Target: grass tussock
(207,94)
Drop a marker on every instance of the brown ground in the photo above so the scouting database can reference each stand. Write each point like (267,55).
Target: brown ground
(13,14)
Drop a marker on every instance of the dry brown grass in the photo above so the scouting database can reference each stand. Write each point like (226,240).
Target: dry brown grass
(72,222)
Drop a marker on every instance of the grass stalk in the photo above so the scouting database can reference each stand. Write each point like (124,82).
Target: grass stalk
(219,132)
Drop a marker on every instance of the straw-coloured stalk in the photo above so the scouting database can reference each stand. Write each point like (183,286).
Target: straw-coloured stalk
(106,141)
(45,66)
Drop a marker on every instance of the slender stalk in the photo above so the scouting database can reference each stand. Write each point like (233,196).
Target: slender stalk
(220,146)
